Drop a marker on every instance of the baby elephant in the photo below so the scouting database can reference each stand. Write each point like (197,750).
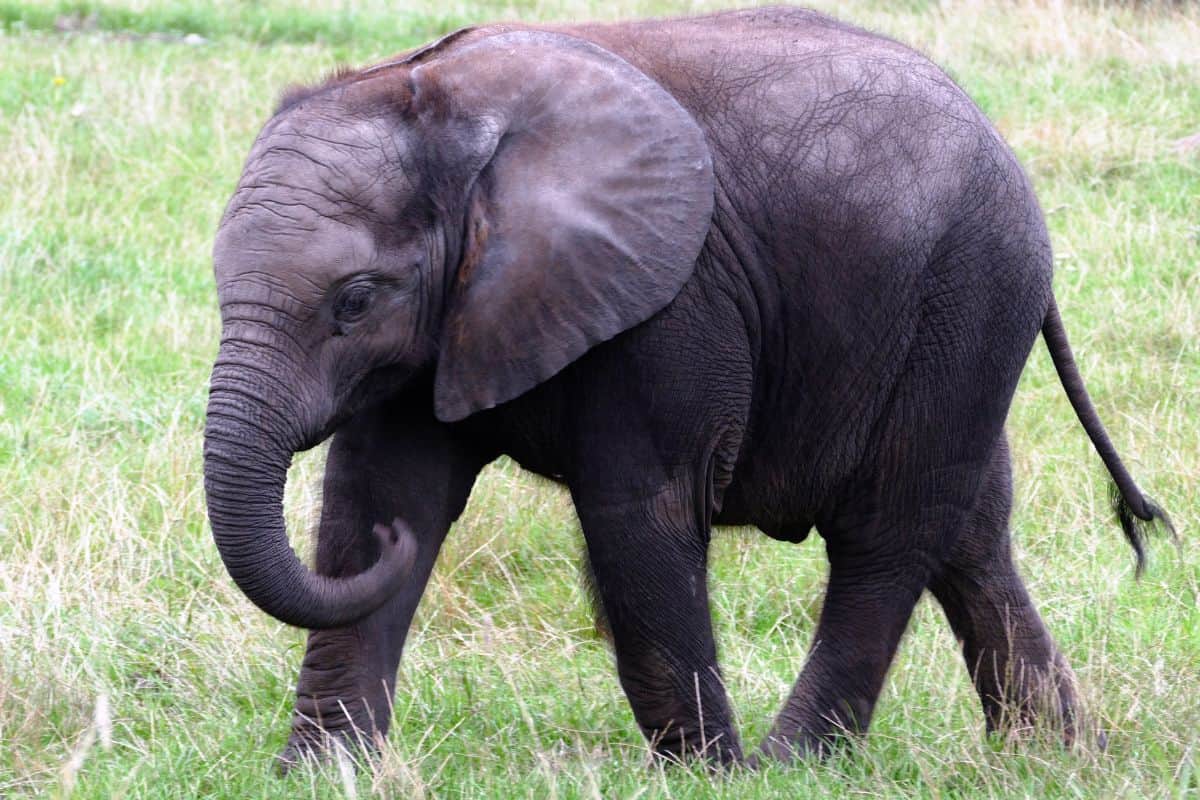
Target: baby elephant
(755,268)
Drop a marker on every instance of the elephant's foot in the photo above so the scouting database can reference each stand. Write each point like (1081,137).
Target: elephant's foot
(342,700)
(1040,700)
(719,750)
(326,730)
(787,750)
(318,746)
(802,731)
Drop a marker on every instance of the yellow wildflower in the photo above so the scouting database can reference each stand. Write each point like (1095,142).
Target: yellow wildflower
(59,80)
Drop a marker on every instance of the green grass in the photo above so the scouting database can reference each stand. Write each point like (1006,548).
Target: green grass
(120,144)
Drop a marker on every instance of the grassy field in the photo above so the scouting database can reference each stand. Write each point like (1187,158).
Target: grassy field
(131,666)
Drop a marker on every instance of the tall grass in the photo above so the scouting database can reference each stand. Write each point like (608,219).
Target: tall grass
(130,665)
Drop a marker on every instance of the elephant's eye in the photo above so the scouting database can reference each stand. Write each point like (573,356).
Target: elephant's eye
(353,302)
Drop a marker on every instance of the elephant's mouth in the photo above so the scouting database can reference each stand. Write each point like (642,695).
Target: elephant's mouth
(375,388)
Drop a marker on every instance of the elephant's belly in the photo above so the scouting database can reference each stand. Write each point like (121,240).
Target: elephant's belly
(777,518)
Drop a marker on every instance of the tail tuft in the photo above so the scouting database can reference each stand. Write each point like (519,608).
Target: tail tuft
(1138,525)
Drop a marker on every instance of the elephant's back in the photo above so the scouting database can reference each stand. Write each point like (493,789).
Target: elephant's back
(809,119)
(820,132)
(859,190)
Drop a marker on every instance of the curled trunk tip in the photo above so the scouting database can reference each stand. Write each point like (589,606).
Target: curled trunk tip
(245,471)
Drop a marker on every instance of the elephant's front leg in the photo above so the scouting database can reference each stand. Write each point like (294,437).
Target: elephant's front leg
(383,465)
(649,558)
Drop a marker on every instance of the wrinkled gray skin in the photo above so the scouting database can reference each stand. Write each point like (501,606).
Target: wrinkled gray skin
(758,268)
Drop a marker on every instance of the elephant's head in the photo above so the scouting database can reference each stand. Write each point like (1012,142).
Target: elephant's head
(484,211)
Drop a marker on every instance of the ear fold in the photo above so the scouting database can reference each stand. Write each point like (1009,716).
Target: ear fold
(593,199)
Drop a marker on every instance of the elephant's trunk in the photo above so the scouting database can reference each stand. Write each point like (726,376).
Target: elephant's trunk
(246,459)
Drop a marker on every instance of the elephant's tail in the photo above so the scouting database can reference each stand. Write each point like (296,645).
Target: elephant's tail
(1137,513)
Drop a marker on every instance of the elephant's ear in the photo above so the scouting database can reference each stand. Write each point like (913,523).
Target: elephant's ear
(593,196)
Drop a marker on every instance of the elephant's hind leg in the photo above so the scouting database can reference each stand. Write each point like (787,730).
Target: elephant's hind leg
(887,536)
(1019,673)
(382,465)
(868,602)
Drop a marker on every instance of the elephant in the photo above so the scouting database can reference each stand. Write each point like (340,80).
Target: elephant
(756,268)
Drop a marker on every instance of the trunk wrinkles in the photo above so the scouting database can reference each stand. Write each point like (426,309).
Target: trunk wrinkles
(248,447)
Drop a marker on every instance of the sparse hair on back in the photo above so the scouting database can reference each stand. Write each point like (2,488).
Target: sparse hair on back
(298,92)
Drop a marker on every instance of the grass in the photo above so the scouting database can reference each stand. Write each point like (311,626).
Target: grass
(131,666)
